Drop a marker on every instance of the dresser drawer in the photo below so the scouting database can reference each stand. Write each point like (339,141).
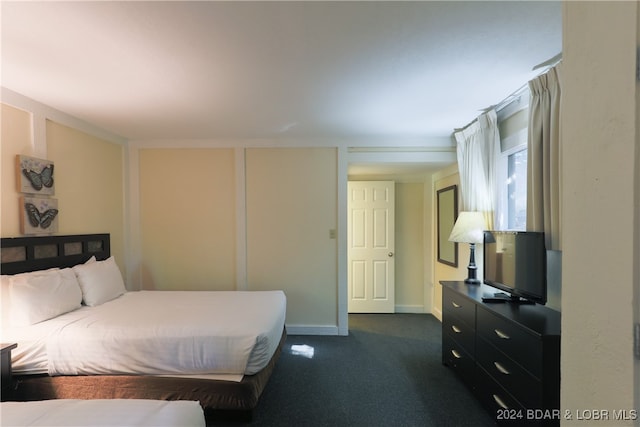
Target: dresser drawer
(462,333)
(521,384)
(506,410)
(503,407)
(522,346)
(454,356)
(453,304)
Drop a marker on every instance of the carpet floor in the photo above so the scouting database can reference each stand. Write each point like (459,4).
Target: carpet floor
(387,372)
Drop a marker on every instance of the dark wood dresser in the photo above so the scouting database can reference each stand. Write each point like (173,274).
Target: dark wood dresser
(508,354)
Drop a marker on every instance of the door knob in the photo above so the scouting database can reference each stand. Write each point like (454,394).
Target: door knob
(390,254)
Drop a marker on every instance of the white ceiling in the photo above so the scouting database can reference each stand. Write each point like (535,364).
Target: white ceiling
(200,70)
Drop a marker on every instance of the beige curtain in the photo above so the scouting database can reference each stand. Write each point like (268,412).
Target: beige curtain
(543,158)
(477,146)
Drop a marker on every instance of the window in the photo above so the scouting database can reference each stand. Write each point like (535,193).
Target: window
(511,207)
(511,192)
(517,190)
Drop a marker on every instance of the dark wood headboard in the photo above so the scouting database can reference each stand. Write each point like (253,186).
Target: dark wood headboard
(22,254)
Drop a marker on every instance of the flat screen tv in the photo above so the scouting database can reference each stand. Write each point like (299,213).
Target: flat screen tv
(516,263)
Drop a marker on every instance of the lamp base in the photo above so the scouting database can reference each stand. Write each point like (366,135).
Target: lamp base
(472,269)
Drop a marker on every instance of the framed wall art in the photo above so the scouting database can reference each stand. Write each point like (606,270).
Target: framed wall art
(39,215)
(35,176)
(447,215)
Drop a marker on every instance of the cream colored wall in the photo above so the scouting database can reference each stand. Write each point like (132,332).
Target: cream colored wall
(443,179)
(16,139)
(600,144)
(409,253)
(88,177)
(429,259)
(291,199)
(281,195)
(187,219)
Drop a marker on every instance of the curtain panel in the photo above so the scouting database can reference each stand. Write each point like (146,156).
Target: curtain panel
(477,147)
(543,160)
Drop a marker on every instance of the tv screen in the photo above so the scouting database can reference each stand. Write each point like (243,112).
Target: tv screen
(515,262)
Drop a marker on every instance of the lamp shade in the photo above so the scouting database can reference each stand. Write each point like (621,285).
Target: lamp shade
(469,228)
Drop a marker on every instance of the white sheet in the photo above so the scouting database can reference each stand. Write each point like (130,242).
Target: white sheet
(112,412)
(157,332)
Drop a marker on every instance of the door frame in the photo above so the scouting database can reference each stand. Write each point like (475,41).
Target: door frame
(441,155)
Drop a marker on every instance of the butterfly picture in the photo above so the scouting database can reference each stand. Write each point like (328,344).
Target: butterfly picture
(35,175)
(39,215)
(37,218)
(40,179)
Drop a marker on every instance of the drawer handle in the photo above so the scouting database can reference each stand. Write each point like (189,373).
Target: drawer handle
(455,329)
(456,354)
(500,402)
(501,368)
(501,334)
(455,305)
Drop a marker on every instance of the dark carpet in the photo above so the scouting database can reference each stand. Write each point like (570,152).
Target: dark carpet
(387,372)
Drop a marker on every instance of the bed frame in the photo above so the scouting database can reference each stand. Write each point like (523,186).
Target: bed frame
(24,254)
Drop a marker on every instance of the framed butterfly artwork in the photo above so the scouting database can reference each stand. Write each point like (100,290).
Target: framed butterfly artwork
(39,215)
(35,176)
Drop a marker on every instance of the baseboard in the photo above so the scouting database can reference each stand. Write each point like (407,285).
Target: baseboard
(437,313)
(312,330)
(416,309)
(335,330)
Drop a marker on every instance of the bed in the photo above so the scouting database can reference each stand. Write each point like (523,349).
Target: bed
(102,412)
(101,350)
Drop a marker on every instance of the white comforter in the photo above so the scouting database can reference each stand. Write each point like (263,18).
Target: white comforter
(112,412)
(160,333)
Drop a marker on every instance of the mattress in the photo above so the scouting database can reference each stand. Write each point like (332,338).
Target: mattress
(194,333)
(109,412)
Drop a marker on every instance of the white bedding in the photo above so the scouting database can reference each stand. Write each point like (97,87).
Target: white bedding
(112,412)
(156,333)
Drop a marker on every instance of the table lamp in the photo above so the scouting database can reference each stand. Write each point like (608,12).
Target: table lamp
(469,228)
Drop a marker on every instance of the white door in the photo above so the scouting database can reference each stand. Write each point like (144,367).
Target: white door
(371,241)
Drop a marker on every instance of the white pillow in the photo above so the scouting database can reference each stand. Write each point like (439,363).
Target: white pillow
(100,281)
(39,296)
(5,293)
